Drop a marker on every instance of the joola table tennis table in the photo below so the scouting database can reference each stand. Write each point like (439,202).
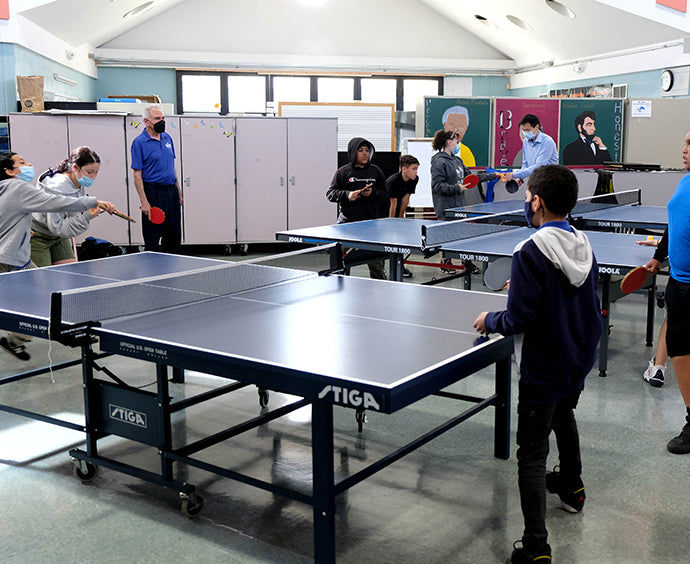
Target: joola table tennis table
(257,325)
(467,240)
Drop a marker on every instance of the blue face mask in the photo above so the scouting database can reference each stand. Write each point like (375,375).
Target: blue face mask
(456,150)
(85,181)
(529,214)
(529,135)
(26,173)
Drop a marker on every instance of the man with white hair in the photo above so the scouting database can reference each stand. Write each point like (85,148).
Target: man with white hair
(153,166)
(457,120)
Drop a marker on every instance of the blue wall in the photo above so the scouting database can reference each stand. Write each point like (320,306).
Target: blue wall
(122,81)
(28,63)
(490,86)
(8,84)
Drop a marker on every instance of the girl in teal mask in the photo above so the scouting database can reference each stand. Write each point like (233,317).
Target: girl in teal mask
(52,240)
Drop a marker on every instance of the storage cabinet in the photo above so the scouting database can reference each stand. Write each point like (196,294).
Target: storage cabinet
(284,166)
(242,179)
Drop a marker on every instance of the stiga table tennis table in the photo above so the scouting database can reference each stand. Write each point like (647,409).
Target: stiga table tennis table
(467,240)
(280,329)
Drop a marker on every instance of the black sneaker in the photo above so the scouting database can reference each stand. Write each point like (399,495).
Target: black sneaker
(406,273)
(681,443)
(572,498)
(18,351)
(521,555)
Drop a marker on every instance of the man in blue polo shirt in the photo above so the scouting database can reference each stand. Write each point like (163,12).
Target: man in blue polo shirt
(153,165)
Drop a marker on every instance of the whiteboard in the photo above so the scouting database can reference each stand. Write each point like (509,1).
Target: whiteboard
(421,148)
(374,122)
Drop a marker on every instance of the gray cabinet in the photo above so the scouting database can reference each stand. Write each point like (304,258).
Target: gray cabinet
(242,179)
(208,179)
(283,167)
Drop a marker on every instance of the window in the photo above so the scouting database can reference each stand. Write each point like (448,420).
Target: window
(246,94)
(414,89)
(201,93)
(336,89)
(379,90)
(291,89)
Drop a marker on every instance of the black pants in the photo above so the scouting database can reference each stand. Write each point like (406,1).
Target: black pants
(535,423)
(166,237)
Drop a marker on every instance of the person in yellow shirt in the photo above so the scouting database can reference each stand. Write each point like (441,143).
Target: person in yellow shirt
(457,120)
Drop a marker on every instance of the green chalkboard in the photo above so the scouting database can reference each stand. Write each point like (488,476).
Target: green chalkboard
(608,126)
(477,132)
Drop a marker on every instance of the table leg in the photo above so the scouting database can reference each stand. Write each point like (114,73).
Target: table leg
(502,410)
(604,342)
(323,482)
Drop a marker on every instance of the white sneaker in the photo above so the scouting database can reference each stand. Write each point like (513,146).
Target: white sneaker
(655,374)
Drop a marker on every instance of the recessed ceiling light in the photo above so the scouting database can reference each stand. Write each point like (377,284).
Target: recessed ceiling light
(138,9)
(520,23)
(312,3)
(560,8)
(486,22)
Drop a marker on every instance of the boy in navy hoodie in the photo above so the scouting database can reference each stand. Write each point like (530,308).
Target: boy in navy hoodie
(554,309)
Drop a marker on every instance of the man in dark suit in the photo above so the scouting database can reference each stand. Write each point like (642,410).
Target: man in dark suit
(587,149)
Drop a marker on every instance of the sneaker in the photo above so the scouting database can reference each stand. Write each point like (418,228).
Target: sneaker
(572,498)
(18,351)
(521,555)
(406,273)
(655,374)
(681,443)
(475,269)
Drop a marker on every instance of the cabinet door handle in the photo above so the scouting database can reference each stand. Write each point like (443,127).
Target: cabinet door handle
(292,179)
(282,181)
(188,181)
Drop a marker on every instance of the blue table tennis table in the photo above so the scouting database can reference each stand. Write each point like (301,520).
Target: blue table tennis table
(616,253)
(258,325)
(585,215)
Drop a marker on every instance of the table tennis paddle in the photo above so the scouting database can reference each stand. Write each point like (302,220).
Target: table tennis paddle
(156,215)
(497,274)
(124,216)
(634,280)
(512,186)
(470,181)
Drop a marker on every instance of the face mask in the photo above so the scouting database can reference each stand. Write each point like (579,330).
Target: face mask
(529,135)
(456,150)
(85,181)
(159,127)
(529,214)
(26,174)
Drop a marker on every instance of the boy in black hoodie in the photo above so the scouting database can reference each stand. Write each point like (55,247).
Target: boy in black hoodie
(554,308)
(359,189)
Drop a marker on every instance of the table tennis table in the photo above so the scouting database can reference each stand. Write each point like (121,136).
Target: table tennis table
(607,212)
(466,240)
(280,329)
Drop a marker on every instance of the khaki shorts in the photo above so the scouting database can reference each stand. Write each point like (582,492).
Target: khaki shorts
(49,249)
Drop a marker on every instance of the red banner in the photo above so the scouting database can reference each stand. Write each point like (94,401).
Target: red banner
(4,9)
(680,5)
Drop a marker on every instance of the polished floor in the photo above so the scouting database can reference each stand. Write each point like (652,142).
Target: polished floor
(449,502)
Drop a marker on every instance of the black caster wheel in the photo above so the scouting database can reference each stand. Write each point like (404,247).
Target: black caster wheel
(244,249)
(192,504)
(227,249)
(85,471)
(263,397)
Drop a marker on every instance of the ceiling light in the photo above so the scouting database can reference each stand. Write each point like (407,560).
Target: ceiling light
(486,22)
(138,9)
(560,8)
(520,23)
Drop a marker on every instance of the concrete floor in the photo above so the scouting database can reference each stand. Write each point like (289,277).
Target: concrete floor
(450,501)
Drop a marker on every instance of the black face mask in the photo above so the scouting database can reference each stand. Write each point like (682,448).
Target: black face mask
(159,127)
